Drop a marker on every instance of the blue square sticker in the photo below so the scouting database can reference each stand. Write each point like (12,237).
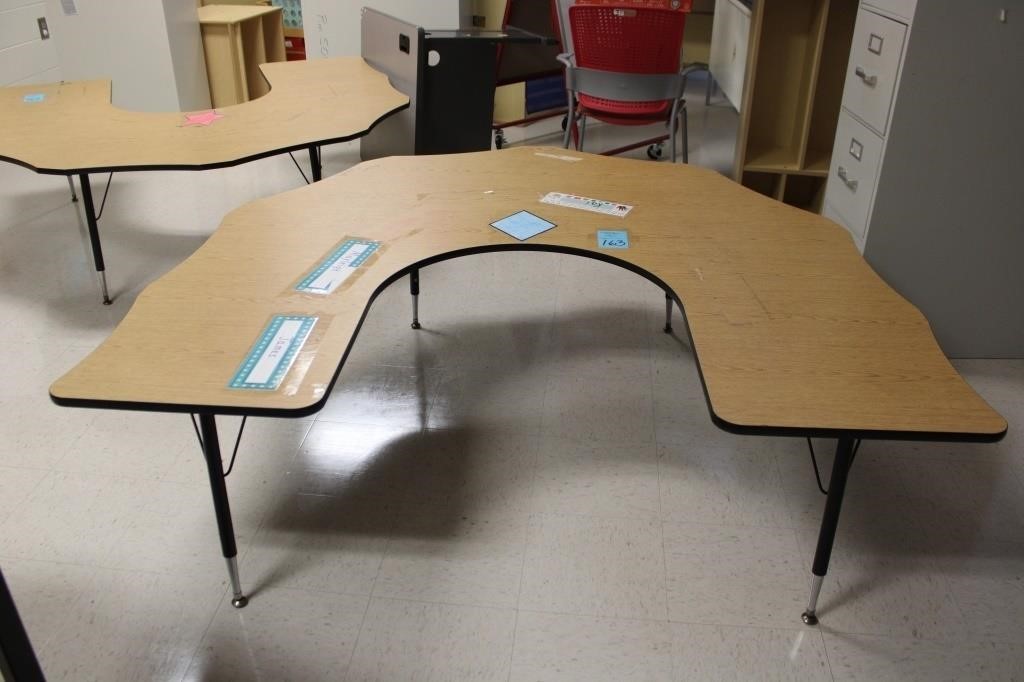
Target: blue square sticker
(34,98)
(523,225)
(612,239)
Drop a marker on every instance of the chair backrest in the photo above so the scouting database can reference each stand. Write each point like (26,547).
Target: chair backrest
(518,63)
(626,37)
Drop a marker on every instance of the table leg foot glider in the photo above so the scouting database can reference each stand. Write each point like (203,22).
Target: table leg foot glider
(792,333)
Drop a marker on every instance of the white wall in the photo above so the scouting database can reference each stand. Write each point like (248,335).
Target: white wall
(332,26)
(24,56)
(150,49)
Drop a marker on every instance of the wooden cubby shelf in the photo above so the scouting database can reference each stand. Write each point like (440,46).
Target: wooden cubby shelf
(796,66)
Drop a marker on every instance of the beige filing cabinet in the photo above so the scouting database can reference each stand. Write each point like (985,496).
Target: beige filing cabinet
(236,40)
(873,71)
(925,172)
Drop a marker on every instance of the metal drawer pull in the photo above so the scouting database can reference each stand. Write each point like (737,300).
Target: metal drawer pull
(852,184)
(868,80)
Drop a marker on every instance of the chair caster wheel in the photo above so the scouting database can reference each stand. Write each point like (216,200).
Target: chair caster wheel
(499,140)
(655,152)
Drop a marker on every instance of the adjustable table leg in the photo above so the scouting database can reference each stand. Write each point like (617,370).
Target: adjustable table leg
(214,467)
(94,233)
(668,314)
(314,162)
(827,534)
(414,289)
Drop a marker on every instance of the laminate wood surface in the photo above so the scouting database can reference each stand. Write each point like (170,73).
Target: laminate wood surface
(75,128)
(232,14)
(792,330)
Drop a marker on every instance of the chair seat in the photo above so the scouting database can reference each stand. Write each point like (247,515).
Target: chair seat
(598,107)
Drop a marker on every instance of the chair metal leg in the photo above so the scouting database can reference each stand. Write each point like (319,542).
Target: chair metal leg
(570,119)
(74,195)
(710,89)
(829,522)
(583,132)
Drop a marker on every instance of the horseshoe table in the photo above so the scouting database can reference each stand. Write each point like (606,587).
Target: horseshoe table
(73,129)
(793,333)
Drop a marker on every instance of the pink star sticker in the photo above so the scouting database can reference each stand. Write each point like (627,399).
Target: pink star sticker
(203,119)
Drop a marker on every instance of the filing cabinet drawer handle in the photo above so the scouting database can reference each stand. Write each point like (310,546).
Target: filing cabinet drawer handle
(852,184)
(870,81)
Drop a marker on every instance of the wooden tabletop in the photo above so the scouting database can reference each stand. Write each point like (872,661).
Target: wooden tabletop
(75,128)
(232,14)
(793,331)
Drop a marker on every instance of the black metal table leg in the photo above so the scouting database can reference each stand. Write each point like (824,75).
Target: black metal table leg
(94,233)
(314,162)
(17,659)
(829,522)
(214,466)
(414,289)
(668,314)
(74,194)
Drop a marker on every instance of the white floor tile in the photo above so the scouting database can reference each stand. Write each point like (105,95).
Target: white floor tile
(881,659)
(734,575)
(559,647)
(281,635)
(575,407)
(599,567)
(405,640)
(468,561)
(597,479)
(710,652)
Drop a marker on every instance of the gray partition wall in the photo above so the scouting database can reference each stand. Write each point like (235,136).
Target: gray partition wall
(393,47)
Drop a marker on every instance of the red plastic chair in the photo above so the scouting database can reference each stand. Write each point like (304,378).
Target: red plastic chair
(625,70)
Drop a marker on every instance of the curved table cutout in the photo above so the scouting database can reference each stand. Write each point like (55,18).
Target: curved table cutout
(792,331)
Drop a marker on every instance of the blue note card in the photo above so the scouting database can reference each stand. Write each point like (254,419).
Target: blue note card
(34,97)
(612,239)
(522,225)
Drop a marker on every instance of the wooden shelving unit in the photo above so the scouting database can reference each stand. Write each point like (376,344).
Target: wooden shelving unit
(796,66)
(236,40)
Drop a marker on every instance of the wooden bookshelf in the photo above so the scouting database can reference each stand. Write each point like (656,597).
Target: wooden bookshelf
(796,66)
(237,39)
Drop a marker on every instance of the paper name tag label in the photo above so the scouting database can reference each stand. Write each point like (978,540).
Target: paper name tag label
(586,204)
(612,239)
(523,225)
(34,98)
(341,264)
(270,358)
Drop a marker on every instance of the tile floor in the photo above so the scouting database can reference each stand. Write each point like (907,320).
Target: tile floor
(527,489)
